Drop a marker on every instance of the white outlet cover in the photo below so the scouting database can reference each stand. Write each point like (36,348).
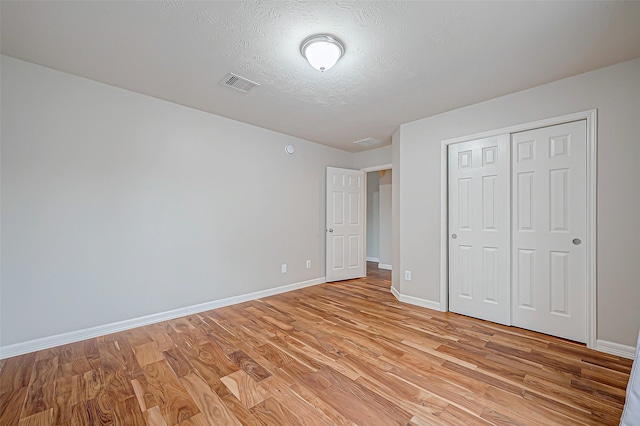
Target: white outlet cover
(284,268)
(407,275)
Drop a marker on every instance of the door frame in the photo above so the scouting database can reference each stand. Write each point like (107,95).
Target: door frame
(591,180)
(369,170)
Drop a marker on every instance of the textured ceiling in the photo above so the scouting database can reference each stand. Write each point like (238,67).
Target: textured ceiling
(404,60)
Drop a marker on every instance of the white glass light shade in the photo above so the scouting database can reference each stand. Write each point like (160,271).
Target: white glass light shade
(322,51)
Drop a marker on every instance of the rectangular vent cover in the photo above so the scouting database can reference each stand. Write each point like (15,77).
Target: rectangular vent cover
(368,142)
(239,83)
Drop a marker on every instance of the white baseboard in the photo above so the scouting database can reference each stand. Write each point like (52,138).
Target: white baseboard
(373,259)
(420,302)
(384,266)
(101,330)
(415,300)
(395,293)
(615,349)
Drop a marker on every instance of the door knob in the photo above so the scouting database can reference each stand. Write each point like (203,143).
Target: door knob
(330,229)
(577,241)
(454,236)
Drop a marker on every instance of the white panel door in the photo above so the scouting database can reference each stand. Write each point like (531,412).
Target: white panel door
(345,231)
(479,229)
(548,230)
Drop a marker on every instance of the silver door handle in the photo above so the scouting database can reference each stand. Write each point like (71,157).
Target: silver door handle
(454,236)
(577,241)
(330,229)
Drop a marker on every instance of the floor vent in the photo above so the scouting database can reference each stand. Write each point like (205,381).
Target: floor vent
(239,83)
(367,142)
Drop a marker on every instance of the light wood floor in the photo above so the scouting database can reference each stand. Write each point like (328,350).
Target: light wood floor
(335,354)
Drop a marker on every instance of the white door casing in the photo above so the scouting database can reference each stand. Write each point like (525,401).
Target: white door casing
(345,219)
(479,229)
(549,228)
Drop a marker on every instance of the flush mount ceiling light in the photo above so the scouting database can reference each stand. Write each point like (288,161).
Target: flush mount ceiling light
(322,50)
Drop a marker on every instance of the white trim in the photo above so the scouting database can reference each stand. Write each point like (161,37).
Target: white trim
(591,117)
(583,115)
(615,349)
(444,226)
(395,293)
(591,243)
(377,168)
(101,330)
(384,266)
(373,259)
(429,304)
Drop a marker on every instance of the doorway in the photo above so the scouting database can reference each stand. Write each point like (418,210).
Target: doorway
(378,247)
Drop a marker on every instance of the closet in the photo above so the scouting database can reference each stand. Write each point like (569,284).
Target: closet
(516,224)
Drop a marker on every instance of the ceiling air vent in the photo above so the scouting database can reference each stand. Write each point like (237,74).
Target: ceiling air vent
(367,142)
(239,83)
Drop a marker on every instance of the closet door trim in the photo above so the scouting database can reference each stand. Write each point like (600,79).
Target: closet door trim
(591,118)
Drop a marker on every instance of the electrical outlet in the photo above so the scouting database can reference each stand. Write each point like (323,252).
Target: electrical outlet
(284,268)
(407,275)
(308,264)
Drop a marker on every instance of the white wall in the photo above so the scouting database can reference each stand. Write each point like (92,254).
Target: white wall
(615,92)
(373,157)
(116,205)
(373,215)
(385,183)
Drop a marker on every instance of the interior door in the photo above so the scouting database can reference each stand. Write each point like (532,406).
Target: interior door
(345,230)
(549,227)
(479,229)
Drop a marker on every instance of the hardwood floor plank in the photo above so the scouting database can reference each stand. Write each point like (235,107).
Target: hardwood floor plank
(153,417)
(499,419)
(504,402)
(359,404)
(178,362)
(105,408)
(272,413)
(280,391)
(252,368)
(243,387)
(175,403)
(147,353)
(11,405)
(41,394)
(145,398)
(42,418)
(344,353)
(208,402)
(241,412)
(16,372)
(118,384)
(211,375)
(128,413)
(111,358)
(215,357)
(421,421)
(197,420)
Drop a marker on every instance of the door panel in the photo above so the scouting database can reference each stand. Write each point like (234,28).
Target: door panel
(479,228)
(549,271)
(345,230)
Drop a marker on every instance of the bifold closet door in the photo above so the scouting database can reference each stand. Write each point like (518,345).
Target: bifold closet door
(479,228)
(549,229)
